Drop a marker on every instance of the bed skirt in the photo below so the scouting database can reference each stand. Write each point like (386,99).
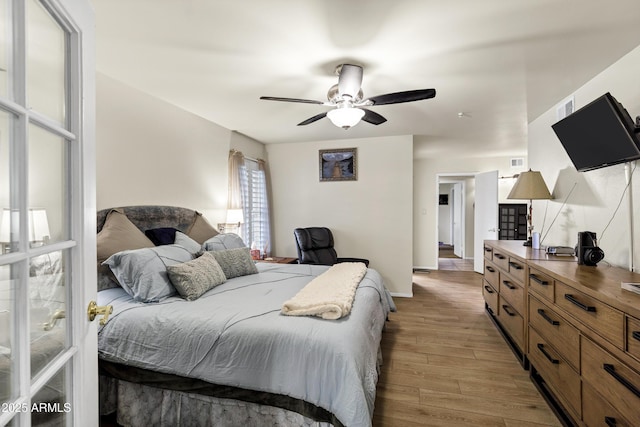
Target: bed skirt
(182,401)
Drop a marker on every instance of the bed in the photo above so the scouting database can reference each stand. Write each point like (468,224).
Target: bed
(230,356)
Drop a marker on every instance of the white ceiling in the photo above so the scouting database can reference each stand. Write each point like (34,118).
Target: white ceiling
(500,62)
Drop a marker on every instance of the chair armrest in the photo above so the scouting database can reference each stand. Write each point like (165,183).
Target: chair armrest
(365,261)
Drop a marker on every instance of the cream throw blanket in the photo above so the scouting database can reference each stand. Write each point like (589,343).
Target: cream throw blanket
(330,295)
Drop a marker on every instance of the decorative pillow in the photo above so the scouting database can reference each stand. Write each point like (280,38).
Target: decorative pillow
(187,242)
(194,278)
(200,229)
(223,241)
(143,272)
(119,234)
(235,262)
(161,236)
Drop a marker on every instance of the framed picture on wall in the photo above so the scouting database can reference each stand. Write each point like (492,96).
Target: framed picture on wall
(443,199)
(340,164)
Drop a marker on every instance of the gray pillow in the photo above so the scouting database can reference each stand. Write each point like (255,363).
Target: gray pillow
(186,241)
(235,262)
(223,241)
(143,272)
(194,278)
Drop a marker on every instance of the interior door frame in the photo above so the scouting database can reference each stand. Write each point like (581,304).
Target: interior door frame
(452,178)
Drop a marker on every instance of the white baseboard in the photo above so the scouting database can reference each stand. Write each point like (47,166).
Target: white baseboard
(401,294)
(417,267)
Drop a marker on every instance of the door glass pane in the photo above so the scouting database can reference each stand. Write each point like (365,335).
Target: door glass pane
(5,47)
(47,297)
(46,59)
(50,406)
(7,303)
(8,221)
(47,187)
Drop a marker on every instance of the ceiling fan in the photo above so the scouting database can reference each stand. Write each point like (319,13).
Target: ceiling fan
(348,101)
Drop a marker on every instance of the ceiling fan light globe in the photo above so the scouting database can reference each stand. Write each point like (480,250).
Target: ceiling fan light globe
(345,117)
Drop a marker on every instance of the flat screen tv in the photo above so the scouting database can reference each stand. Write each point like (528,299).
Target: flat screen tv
(599,134)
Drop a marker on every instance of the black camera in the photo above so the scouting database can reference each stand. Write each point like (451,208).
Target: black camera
(587,250)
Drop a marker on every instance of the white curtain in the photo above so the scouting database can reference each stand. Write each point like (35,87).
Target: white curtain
(236,166)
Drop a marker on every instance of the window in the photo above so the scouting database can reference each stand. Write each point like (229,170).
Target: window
(255,229)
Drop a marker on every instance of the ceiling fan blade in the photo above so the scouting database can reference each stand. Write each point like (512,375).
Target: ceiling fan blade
(400,97)
(349,80)
(373,117)
(304,101)
(313,119)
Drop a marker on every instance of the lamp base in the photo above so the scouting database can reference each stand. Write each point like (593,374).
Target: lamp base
(527,243)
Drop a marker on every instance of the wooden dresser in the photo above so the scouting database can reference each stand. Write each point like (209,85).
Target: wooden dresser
(573,326)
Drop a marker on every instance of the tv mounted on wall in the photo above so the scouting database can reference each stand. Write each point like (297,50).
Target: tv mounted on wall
(599,134)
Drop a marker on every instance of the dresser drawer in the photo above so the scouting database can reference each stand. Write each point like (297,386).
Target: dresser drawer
(501,260)
(611,378)
(563,380)
(490,296)
(596,411)
(555,330)
(606,321)
(513,292)
(541,284)
(491,274)
(517,269)
(512,321)
(488,252)
(633,337)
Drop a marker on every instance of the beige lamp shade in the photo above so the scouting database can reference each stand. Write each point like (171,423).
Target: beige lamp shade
(530,186)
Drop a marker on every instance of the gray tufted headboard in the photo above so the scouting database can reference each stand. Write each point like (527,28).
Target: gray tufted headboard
(153,216)
(145,218)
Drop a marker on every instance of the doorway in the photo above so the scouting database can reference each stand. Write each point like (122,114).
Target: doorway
(471,217)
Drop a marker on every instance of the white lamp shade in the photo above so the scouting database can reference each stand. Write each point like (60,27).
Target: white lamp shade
(345,117)
(38,225)
(234,216)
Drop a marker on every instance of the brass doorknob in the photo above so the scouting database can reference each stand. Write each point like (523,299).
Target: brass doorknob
(94,309)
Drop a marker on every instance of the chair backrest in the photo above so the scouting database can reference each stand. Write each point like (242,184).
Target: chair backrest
(315,246)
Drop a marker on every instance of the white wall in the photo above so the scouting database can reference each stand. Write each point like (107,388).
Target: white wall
(152,152)
(425,195)
(370,218)
(593,202)
(444,216)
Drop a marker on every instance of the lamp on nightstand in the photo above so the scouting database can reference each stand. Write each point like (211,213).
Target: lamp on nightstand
(530,186)
(235,218)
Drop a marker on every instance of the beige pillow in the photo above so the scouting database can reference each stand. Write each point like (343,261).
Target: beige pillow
(200,230)
(119,234)
(194,278)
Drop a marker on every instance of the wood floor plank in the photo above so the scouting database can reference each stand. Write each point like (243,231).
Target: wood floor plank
(445,364)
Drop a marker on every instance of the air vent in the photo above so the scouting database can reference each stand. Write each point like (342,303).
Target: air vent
(517,162)
(565,108)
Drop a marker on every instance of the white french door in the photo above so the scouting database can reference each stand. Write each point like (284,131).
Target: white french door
(48,366)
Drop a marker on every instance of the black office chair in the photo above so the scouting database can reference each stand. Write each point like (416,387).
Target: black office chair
(315,246)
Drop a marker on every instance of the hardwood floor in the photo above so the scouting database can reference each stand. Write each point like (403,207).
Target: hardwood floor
(445,364)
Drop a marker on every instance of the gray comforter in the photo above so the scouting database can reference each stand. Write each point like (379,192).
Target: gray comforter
(235,335)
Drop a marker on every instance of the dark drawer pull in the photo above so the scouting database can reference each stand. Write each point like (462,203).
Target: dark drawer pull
(488,249)
(538,280)
(611,370)
(488,289)
(491,269)
(577,303)
(508,284)
(547,355)
(546,317)
(515,265)
(636,335)
(499,256)
(506,310)
(610,421)
(490,311)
